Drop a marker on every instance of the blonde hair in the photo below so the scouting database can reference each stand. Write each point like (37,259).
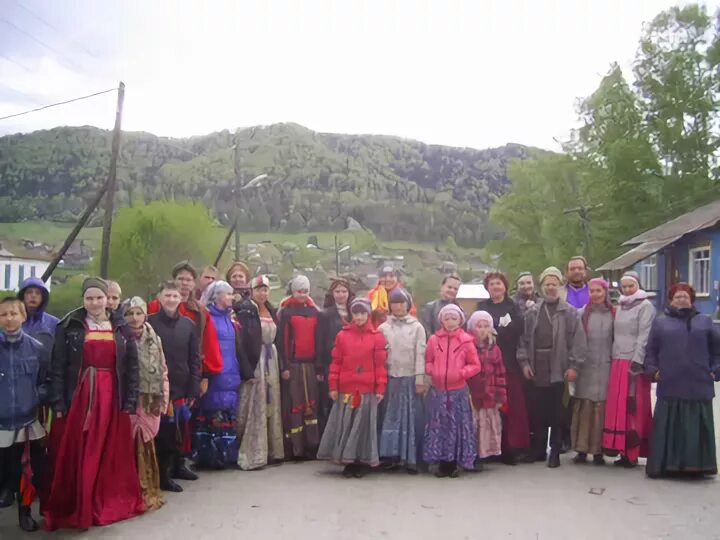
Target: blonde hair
(16,301)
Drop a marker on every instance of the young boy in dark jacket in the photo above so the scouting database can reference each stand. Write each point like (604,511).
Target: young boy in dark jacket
(23,388)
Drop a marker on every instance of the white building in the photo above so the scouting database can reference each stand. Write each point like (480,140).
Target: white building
(14,270)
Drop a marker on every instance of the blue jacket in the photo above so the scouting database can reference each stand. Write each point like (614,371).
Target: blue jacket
(23,380)
(684,348)
(40,325)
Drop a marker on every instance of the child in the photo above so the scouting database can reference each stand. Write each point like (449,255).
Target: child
(487,388)
(450,360)
(357,380)
(23,388)
(406,339)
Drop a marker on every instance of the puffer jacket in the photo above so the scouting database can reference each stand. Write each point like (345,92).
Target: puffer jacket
(358,364)
(406,341)
(23,380)
(451,359)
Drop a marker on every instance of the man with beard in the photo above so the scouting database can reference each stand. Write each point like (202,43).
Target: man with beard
(576,291)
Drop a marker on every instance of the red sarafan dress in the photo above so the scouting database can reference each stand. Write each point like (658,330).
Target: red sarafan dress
(95,481)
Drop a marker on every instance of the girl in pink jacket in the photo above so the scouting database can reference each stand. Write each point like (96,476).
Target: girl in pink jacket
(450,360)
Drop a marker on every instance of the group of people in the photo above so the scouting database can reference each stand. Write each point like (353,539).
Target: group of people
(101,411)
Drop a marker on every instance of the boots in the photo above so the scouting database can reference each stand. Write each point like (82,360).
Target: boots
(554,459)
(167,483)
(6,498)
(25,519)
(181,471)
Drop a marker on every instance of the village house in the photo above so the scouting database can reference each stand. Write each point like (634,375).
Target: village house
(15,269)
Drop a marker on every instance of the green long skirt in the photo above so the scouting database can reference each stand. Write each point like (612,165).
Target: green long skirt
(683,439)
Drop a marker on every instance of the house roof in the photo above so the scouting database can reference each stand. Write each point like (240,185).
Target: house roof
(472,291)
(697,220)
(637,254)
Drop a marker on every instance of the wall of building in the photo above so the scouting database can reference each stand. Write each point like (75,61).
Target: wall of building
(13,271)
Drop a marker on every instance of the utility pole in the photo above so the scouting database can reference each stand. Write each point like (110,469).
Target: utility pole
(111,184)
(337,258)
(582,212)
(238,178)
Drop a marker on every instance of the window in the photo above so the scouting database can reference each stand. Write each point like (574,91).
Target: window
(8,269)
(699,270)
(649,273)
(21,274)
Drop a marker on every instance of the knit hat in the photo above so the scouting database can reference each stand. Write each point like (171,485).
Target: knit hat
(478,316)
(134,302)
(95,283)
(300,283)
(260,281)
(451,308)
(633,275)
(522,275)
(551,271)
(360,305)
(238,265)
(399,295)
(184,266)
(214,290)
(681,287)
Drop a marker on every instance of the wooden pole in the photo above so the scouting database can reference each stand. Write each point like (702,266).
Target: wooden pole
(238,180)
(112,178)
(229,234)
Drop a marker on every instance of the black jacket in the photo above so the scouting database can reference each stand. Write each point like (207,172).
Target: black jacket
(330,324)
(180,343)
(508,336)
(248,315)
(67,360)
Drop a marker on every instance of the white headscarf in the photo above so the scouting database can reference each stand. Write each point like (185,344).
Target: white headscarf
(300,283)
(213,291)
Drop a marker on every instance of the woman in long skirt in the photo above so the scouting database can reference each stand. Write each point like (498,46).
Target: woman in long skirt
(683,356)
(94,378)
(628,410)
(154,394)
(357,384)
(259,413)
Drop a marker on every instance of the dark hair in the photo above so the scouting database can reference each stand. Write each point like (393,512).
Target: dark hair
(168,286)
(184,266)
(452,275)
(577,258)
(330,299)
(496,275)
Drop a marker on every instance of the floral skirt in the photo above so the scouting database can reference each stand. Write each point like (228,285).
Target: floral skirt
(214,440)
(450,434)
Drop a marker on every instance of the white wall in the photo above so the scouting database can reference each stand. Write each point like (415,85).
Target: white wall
(14,270)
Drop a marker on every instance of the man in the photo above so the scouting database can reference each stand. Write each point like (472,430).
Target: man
(576,292)
(179,339)
(526,296)
(114,296)
(448,293)
(550,352)
(208,275)
(39,324)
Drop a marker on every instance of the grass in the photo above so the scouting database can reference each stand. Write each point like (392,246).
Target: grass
(49,232)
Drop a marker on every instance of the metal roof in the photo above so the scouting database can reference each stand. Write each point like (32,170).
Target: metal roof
(700,218)
(637,254)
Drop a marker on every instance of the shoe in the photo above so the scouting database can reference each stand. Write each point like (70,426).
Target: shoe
(359,471)
(168,484)
(181,472)
(25,519)
(598,459)
(348,471)
(6,498)
(625,462)
(508,459)
(527,457)
(554,459)
(390,466)
(443,471)
(580,458)
(412,471)
(454,472)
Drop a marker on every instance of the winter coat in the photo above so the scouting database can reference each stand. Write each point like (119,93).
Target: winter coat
(508,335)
(224,387)
(684,348)
(632,328)
(451,359)
(429,315)
(67,362)
(24,381)
(179,339)
(594,374)
(39,324)
(330,324)
(568,340)
(248,315)
(358,364)
(406,345)
(299,334)
(152,368)
(488,388)
(522,303)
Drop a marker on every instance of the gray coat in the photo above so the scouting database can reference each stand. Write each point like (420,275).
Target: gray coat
(593,377)
(406,345)
(632,328)
(568,340)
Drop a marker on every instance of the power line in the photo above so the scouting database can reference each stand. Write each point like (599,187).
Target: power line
(57,104)
(39,41)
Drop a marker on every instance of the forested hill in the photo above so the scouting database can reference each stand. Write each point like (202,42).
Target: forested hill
(318,179)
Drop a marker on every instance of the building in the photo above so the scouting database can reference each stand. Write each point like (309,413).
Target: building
(14,270)
(685,249)
(469,294)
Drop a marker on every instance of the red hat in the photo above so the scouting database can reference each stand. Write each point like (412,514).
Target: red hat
(682,287)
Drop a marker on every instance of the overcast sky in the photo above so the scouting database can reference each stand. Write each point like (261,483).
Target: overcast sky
(476,73)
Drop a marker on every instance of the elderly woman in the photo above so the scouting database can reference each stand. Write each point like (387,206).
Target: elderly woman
(683,356)
(260,413)
(153,396)
(597,319)
(94,378)
(215,441)
(628,412)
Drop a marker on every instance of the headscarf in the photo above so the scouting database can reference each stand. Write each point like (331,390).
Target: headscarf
(399,295)
(639,295)
(451,308)
(300,283)
(260,281)
(134,302)
(590,306)
(521,275)
(682,287)
(214,289)
(379,295)
(94,283)
(478,316)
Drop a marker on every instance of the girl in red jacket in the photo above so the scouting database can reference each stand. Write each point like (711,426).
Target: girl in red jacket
(357,380)
(450,360)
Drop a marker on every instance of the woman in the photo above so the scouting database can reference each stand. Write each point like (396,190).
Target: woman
(591,386)
(380,296)
(683,356)
(94,379)
(333,318)
(154,392)
(215,435)
(509,325)
(238,276)
(260,413)
(628,414)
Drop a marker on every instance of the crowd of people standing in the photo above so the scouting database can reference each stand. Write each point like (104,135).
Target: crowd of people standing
(103,410)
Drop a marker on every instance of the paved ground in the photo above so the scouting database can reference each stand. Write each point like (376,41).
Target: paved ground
(313,501)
